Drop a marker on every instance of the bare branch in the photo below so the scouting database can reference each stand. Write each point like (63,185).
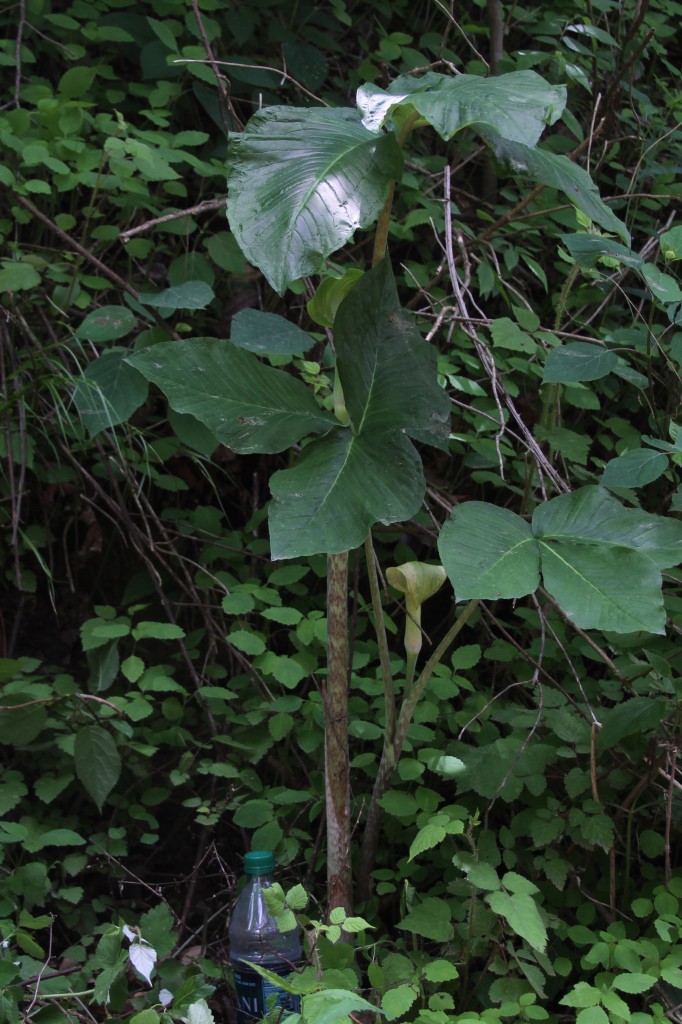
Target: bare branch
(204,207)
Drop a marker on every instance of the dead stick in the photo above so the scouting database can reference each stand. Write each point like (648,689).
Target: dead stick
(76,246)
(204,207)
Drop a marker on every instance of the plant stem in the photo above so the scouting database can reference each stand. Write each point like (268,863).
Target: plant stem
(66,995)
(412,696)
(382,641)
(551,393)
(392,750)
(381,236)
(336,758)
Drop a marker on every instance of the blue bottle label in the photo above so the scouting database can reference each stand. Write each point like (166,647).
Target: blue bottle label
(254,993)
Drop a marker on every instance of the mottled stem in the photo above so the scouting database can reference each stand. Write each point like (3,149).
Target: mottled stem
(336,756)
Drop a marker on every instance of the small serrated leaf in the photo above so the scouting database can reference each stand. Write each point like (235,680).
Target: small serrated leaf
(356,924)
(598,829)
(440,971)
(432,918)
(427,837)
(634,982)
(522,916)
(143,958)
(592,1015)
(297,898)
(199,1013)
(397,1001)
(484,876)
(98,762)
(581,995)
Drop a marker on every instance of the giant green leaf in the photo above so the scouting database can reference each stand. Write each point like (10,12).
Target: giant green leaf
(191,432)
(109,391)
(592,515)
(583,515)
(558,171)
(342,484)
(604,587)
(246,405)
(353,478)
(657,537)
(488,552)
(301,181)
(517,105)
(387,370)
(600,561)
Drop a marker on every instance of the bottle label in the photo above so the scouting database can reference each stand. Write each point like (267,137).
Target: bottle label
(256,996)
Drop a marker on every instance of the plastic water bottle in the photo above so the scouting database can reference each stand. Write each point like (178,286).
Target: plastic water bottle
(255,938)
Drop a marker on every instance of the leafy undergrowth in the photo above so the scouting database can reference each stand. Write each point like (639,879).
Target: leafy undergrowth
(163,681)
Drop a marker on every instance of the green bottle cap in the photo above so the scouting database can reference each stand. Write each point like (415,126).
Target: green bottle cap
(259,862)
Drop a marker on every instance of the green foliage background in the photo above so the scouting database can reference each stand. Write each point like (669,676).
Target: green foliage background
(163,680)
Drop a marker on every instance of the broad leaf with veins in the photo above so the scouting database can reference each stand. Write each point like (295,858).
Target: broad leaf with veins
(300,182)
(517,105)
(246,405)
(600,561)
(369,472)
(341,486)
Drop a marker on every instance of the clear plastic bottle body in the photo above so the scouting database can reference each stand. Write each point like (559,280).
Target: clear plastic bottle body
(255,938)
